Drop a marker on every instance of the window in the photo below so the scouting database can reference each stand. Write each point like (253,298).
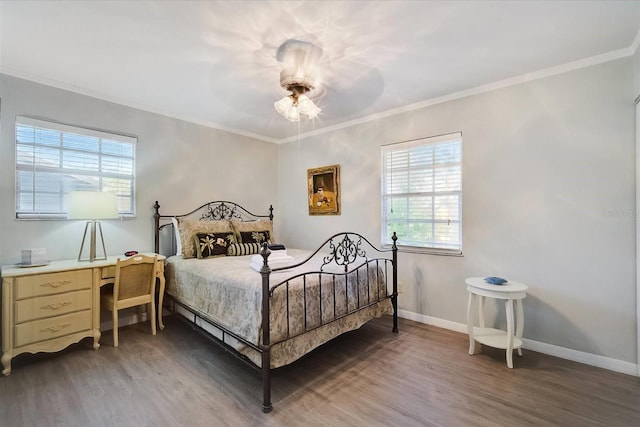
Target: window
(53,159)
(422,193)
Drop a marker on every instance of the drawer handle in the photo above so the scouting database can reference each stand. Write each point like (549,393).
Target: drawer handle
(56,328)
(55,306)
(55,284)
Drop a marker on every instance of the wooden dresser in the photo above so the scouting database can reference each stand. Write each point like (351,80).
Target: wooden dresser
(50,307)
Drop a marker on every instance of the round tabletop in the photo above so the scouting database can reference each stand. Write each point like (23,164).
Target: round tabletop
(511,289)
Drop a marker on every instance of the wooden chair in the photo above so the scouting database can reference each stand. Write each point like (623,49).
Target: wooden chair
(134,285)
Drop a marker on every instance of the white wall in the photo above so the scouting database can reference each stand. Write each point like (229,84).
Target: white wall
(548,192)
(180,164)
(549,188)
(636,94)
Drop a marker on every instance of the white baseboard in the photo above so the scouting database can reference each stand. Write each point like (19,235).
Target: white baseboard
(550,349)
(123,320)
(582,357)
(434,321)
(130,317)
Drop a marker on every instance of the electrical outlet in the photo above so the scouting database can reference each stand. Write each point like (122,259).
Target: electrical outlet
(400,287)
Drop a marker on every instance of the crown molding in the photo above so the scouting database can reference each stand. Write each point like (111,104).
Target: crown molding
(139,106)
(536,75)
(524,78)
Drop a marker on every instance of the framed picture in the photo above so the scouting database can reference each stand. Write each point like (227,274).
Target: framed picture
(324,190)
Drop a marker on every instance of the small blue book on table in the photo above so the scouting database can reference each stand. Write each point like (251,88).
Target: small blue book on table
(495,280)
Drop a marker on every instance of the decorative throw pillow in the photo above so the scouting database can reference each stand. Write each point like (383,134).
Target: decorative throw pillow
(261,225)
(258,237)
(213,244)
(238,249)
(190,227)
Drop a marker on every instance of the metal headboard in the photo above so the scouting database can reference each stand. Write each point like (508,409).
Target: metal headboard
(217,210)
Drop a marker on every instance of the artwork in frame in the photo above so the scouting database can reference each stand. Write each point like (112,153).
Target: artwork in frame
(324,190)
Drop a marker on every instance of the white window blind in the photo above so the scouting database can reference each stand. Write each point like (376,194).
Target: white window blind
(53,159)
(422,193)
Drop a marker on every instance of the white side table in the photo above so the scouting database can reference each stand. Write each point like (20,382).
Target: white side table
(510,291)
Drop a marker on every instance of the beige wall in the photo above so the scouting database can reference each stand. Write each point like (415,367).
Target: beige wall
(548,196)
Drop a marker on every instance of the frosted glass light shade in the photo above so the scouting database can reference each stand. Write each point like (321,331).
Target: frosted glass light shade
(292,114)
(292,106)
(92,205)
(283,105)
(307,107)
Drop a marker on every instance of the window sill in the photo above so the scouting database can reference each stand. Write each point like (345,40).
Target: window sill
(63,217)
(426,251)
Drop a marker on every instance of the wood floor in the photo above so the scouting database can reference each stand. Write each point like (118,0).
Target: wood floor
(370,377)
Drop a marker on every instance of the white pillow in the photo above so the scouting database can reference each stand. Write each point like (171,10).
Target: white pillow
(176,231)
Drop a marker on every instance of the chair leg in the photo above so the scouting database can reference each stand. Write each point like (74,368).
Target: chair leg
(152,309)
(115,328)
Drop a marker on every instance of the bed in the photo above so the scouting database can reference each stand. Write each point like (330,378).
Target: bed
(227,273)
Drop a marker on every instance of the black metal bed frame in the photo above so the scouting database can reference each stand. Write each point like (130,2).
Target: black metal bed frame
(345,249)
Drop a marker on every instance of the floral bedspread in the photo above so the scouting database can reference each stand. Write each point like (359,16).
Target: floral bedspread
(229,292)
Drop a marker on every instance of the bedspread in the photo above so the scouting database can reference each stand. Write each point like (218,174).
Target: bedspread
(227,291)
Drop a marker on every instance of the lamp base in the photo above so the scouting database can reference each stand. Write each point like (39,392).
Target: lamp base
(92,242)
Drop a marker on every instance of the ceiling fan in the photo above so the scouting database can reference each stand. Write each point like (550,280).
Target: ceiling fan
(298,77)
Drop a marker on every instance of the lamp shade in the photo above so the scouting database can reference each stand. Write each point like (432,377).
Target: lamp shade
(92,205)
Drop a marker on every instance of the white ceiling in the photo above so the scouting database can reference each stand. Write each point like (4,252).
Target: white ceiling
(214,62)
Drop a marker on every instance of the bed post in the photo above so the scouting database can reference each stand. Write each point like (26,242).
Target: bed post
(394,298)
(156,219)
(271,212)
(265,271)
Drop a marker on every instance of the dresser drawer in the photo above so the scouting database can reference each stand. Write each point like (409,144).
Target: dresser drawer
(52,305)
(54,327)
(108,272)
(52,283)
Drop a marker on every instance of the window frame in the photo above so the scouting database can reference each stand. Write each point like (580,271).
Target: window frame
(428,247)
(100,173)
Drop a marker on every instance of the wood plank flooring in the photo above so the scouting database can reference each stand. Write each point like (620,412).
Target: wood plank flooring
(421,377)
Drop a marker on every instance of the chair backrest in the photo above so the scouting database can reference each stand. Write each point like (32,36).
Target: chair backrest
(135,276)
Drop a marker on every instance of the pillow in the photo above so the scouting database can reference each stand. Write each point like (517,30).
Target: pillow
(213,244)
(258,237)
(191,227)
(238,249)
(176,232)
(262,225)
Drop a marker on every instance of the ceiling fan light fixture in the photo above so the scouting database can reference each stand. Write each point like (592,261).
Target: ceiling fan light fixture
(292,106)
(307,107)
(298,81)
(283,105)
(292,114)
(297,103)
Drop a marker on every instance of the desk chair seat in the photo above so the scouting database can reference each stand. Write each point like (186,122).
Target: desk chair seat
(134,285)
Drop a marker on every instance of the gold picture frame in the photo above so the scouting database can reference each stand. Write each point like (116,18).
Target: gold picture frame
(324,190)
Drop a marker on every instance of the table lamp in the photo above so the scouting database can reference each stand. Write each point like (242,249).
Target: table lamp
(92,206)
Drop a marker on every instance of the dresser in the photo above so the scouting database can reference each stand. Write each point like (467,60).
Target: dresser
(47,308)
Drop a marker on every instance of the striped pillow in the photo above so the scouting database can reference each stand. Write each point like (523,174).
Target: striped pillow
(238,249)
